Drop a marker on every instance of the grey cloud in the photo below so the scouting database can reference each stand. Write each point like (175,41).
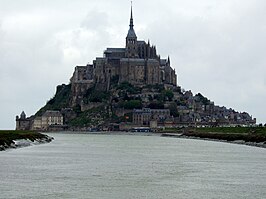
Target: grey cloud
(95,20)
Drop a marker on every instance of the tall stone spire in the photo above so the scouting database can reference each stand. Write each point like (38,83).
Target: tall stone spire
(131,39)
(131,33)
(131,25)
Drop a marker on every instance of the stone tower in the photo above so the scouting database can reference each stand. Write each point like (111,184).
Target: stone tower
(131,40)
(22,122)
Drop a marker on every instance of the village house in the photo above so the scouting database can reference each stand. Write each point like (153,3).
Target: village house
(143,116)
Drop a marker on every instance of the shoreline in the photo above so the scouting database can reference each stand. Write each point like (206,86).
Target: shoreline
(240,142)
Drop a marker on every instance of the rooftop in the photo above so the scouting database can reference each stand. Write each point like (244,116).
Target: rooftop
(52,114)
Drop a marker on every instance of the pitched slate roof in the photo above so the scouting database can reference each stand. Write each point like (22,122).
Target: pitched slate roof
(52,114)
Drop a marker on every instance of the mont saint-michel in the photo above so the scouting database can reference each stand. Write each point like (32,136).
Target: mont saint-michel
(127,88)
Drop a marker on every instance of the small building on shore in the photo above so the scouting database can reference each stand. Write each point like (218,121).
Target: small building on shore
(49,118)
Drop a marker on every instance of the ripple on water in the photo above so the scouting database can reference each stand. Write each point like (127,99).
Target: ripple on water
(124,166)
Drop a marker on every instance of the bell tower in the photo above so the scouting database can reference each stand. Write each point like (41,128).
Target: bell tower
(131,40)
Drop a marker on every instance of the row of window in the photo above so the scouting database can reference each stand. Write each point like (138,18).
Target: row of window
(132,41)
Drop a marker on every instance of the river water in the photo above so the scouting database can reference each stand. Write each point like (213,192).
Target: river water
(132,166)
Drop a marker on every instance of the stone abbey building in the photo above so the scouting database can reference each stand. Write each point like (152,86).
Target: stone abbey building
(137,63)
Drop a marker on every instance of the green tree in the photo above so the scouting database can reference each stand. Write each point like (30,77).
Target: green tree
(131,104)
(129,88)
(156,105)
(173,109)
(168,94)
(98,96)
(203,99)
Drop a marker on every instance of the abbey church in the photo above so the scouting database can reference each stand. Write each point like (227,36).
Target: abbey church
(137,63)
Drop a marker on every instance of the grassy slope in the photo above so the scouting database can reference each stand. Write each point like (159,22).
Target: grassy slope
(59,101)
(254,134)
(7,136)
(236,130)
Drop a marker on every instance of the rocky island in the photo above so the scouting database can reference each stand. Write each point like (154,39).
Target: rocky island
(127,88)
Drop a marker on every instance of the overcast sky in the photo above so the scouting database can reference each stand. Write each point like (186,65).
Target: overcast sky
(218,47)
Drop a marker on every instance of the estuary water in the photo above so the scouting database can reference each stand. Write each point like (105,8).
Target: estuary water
(132,166)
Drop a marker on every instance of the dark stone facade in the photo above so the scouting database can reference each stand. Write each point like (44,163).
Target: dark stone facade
(138,63)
